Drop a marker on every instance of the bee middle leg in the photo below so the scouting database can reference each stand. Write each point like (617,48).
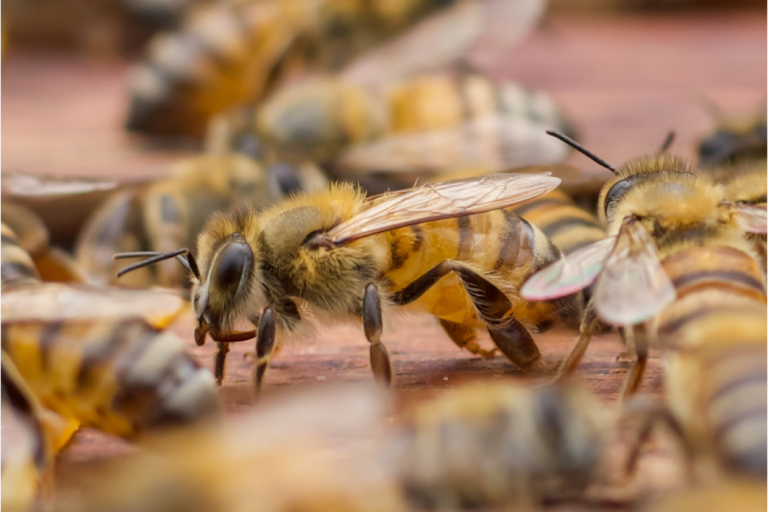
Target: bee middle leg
(588,324)
(507,333)
(464,336)
(381,364)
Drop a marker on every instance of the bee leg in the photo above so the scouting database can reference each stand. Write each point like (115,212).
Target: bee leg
(588,325)
(507,333)
(649,411)
(635,375)
(265,344)
(464,336)
(372,324)
(220,361)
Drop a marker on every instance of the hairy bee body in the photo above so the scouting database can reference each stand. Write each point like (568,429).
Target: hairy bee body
(228,53)
(499,244)
(486,446)
(320,119)
(171,212)
(117,373)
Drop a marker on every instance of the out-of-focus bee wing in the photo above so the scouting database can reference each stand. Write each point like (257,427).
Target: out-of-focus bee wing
(494,143)
(30,185)
(633,286)
(52,302)
(444,37)
(443,200)
(752,218)
(570,273)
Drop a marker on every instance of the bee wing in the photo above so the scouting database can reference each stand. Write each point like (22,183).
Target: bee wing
(441,201)
(752,218)
(633,286)
(54,302)
(570,273)
(31,185)
(444,37)
(492,143)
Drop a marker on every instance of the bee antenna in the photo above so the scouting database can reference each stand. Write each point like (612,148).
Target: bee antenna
(667,142)
(581,149)
(182,255)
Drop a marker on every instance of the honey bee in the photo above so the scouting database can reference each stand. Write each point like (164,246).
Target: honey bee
(674,242)
(51,263)
(226,54)
(735,140)
(451,249)
(99,356)
(25,450)
(171,212)
(728,495)
(287,457)
(502,445)
(421,126)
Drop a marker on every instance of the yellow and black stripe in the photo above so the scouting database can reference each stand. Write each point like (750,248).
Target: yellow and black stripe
(17,268)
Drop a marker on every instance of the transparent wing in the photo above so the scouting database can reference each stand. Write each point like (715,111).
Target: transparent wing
(633,286)
(31,185)
(492,143)
(444,37)
(53,302)
(443,200)
(753,218)
(569,274)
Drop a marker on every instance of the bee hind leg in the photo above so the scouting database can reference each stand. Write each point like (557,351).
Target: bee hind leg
(507,333)
(465,336)
(381,364)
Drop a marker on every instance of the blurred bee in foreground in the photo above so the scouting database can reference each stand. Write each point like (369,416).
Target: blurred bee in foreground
(495,445)
(170,212)
(672,236)
(99,356)
(425,126)
(735,140)
(451,249)
(231,53)
(287,457)
(25,449)
(728,495)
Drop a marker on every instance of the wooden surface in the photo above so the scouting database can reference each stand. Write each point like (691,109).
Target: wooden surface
(625,80)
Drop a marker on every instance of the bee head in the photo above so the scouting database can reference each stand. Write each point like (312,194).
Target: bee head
(229,282)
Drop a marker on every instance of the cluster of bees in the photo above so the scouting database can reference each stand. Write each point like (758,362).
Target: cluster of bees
(299,210)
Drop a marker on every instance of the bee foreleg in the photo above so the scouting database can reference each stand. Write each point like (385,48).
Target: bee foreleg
(265,344)
(588,324)
(372,324)
(464,336)
(220,361)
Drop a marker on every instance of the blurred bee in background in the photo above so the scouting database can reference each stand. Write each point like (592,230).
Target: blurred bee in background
(287,457)
(496,445)
(170,212)
(735,140)
(451,249)
(98,356)
(426,126)
(51,263)
(672,237)
(226,54)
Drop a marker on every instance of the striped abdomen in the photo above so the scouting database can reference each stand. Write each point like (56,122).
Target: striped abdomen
(121,377)
(191,74)
(17,268)
(734,397)
(500,243)
(565,224)
(708,279)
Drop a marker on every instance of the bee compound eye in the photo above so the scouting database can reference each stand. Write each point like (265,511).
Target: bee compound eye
(233,265)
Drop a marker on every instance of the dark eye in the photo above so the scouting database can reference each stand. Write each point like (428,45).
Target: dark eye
(614,194)
(232,264)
